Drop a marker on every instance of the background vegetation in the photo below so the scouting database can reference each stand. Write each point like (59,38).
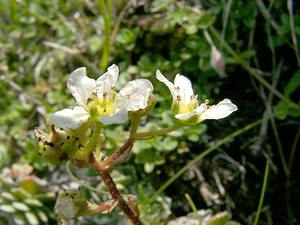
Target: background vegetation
(41,42)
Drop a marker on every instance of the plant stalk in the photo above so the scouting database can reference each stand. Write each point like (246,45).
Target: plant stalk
(262,194)
(150,134)
(105,51)
(115,193)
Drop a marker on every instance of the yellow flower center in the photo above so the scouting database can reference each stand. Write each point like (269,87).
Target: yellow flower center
(101,106)
(104,107)
(181,108)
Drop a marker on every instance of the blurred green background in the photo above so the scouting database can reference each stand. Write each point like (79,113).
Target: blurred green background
(41,42)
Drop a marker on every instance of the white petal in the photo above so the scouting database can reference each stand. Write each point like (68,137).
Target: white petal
(202,108)
(121,116)
(69,118)
(81,86)
(184,88)
(219,111)
(107,81)
(169,84)
(185,116)
(135,95)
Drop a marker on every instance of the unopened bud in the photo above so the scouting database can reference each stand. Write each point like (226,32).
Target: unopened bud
(56,147)
(70,204)
(217,61)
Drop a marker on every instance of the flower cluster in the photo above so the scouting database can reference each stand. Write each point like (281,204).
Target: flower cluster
(81,137)
(98,100)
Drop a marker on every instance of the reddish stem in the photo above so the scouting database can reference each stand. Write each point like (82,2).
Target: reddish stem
(115,158)
(133,216)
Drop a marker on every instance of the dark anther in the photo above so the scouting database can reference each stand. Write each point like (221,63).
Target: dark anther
(49,143)
(63,156)
(88,100)
(68,137)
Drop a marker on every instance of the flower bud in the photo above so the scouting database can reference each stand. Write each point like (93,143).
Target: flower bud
(58,146)
(70,204)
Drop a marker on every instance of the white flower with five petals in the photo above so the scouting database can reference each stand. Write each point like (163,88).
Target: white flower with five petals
(98,100)
(185,105)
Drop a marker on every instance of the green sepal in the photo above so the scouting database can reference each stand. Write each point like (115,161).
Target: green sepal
(193,120)
(175,109)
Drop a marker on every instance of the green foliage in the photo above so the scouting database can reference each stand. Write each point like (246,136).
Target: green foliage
(23,199)
(19,210)
(292,84)
(204,217)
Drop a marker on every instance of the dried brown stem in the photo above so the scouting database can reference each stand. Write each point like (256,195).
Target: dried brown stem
(103,172)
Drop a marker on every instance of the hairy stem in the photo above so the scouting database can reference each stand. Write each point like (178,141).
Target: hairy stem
(116,195)
(122,152)
(115,158)
(150,134)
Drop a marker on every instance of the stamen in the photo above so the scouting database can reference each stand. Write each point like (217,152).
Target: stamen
(88,100)
(104,101)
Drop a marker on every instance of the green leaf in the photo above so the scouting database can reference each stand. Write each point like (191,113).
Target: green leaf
(168,144)
(158,5)
(20,206)
(149,167)
(293,84)
(95,43)
(206,20)
(127,38)
(7,208)
(219,219)
(180,16)
(32,219)
(193,138)
(281,110)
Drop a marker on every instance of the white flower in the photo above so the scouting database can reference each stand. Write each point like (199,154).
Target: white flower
(97,99)
(185,105)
